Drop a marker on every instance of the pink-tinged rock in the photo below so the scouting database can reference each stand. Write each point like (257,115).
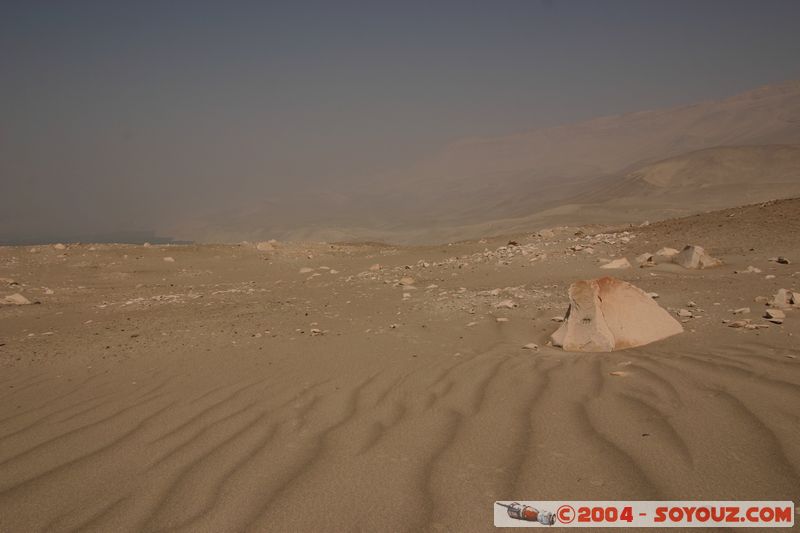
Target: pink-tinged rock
(608,314)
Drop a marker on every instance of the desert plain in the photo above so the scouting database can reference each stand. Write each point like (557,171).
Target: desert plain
(294,386)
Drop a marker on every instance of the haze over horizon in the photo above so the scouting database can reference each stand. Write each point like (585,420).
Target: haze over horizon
(129,118)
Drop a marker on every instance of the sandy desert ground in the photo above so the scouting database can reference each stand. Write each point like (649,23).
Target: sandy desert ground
(297,389)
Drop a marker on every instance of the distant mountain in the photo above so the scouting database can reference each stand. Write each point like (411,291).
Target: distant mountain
(478,185)
(515,174)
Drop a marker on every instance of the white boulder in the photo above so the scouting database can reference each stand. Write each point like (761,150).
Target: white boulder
(608,314)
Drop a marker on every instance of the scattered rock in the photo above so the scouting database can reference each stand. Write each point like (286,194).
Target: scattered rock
(169,259)
(685,313)
(667,252)
(15,299)
(557,319)
(653,295)
(646,260)
(617,264)
(501,319)
(780,260)
(785,299)
(609,314)
(748,270)
(265,246)
(375,267)
(306,270)
(775,316)
(59,246)
(406,281)
(531,346)
(746,324)
(741,311)
(695,257)
(505,304)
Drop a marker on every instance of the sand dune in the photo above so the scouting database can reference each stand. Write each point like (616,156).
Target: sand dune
(227,391)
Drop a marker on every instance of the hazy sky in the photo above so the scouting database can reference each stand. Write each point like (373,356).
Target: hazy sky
(123,115)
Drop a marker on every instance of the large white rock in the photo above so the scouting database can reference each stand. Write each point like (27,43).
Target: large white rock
(608,314)
(695,257)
